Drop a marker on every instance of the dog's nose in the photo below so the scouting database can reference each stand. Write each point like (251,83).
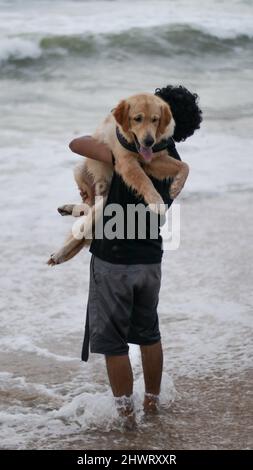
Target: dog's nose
(148,141)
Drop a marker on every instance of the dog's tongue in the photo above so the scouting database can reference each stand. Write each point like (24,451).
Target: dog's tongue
(146,153)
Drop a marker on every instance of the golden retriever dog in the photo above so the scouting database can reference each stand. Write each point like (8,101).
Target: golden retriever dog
(136,132)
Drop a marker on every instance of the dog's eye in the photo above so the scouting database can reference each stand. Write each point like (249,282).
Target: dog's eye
(138,118)
(154,119)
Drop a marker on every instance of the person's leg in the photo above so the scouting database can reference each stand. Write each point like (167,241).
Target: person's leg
(144,330)
(121,380)
(110,305)
(120,375)
(152,363)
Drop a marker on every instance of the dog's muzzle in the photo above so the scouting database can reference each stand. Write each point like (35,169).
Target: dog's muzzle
(145,151)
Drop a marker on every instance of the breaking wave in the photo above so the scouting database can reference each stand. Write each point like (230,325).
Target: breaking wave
(165,41)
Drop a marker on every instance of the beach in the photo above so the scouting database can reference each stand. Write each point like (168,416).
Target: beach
(62,69)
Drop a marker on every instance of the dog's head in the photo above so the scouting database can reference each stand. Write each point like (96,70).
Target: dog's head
(145,119)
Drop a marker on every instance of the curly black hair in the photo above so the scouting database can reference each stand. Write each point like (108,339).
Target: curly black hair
(185,110)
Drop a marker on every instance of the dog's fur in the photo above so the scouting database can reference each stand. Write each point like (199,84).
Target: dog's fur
(139,118)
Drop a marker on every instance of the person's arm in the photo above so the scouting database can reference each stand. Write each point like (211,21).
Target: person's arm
(89,147)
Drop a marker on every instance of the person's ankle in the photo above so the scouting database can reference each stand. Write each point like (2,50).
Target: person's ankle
(151,403)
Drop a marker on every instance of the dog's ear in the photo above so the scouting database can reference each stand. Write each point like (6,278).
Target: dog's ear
(121,114)
(165,119)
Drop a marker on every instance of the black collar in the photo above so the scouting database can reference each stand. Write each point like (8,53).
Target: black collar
(163,144)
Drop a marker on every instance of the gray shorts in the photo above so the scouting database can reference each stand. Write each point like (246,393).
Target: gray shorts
(122,307)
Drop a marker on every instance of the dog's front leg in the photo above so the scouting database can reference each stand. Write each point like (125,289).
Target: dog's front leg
(134,176)
(165,167)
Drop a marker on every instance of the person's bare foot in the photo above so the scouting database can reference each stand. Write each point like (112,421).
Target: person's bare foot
(129,421)
(151,404)
(126,412)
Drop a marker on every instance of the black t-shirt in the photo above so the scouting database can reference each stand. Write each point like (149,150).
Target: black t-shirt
(137,250)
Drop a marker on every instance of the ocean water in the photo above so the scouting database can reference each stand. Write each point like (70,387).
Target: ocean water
(63,66)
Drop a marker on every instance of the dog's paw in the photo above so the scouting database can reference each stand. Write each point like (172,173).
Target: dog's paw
(66,209)
(155,203)
(54,260)
(179,181)
(101,187)
(159,209)
(76,210)
(177,186)
(51,262)
(80,209)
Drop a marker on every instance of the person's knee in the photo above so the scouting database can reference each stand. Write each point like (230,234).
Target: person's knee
(100,344)
(116,358)
(153,345)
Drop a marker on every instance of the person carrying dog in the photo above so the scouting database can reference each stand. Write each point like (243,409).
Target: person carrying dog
(125,274)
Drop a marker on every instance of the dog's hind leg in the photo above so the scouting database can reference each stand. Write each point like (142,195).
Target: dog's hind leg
(84,230)
(68,251)
(71,247)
